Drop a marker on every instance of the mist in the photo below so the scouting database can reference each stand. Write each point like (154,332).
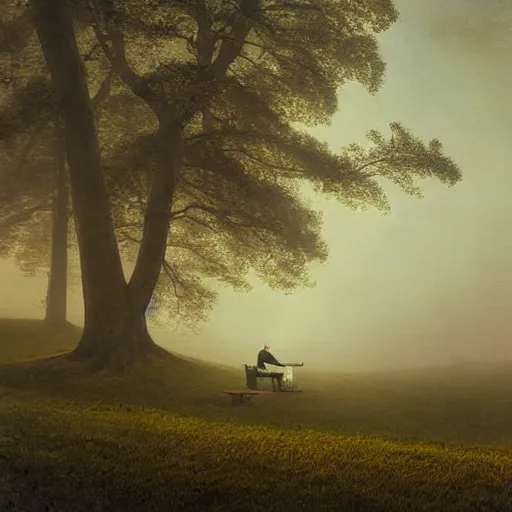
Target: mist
(428,284)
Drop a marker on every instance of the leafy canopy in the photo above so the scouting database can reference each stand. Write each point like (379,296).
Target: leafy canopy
(238,207)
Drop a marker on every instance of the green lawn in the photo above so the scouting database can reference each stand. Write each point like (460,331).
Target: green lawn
(164,437)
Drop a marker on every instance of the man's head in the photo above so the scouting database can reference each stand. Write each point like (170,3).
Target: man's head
(266,347)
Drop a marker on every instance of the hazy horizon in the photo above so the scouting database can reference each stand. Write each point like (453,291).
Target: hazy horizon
(428,284)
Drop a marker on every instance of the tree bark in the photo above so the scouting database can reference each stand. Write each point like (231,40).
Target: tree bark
(56,298)
(172,117)
(115,332)
(158,212)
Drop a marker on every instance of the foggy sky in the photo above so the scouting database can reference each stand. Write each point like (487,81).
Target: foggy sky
(431,282)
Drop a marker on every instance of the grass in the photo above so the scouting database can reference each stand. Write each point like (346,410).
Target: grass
(165,438)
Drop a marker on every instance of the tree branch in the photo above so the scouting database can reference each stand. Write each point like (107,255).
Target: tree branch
(190,207)
(378,161)
(222,215)
(126,236)
(231,48)
(200,137)
(293,170)
(171,274)
(373,162)
(117,58)
(103,91)
(89,55)
(205,40)
(196,250)
(289,6)
(197,221)
(26,214)
(130,225)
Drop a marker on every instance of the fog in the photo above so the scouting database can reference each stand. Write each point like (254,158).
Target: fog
(428,284)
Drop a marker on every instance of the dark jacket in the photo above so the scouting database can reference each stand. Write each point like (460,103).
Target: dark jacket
(264,356)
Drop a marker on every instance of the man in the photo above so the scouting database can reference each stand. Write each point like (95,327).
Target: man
(264,358)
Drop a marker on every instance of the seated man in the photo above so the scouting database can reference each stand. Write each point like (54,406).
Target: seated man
(264,358)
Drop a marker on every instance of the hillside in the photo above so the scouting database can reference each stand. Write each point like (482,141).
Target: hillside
(164,437)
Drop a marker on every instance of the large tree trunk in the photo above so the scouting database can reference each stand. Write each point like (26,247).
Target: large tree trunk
(158,212)
(56,298)
(115,332)
(172,117)
(117,339)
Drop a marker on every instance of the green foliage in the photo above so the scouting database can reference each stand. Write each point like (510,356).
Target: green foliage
(402,159)
(27,186)
(28,116)
(242,211)
(238,207)
(302,52)
(16,33)
(245,73)
(15,27)
(299,51)
(32,106)
(26,189)
(29,119)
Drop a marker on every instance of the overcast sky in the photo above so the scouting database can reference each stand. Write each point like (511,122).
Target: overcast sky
(430,283)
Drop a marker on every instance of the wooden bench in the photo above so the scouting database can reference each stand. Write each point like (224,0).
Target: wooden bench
(252,374)
(241,395)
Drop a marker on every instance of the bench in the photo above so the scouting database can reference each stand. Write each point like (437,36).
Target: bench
(252,374)
(241,395)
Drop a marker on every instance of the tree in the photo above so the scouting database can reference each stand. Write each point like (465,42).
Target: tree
(31,232)
(33,186)
(38,224)
(239,117)
(37,236)
(244,72)
(115,330)
(34,216)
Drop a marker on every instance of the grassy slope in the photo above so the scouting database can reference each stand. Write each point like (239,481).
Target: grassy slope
(165,438)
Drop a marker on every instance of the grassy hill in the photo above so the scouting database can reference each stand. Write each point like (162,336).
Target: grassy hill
(164,437)
(23,340)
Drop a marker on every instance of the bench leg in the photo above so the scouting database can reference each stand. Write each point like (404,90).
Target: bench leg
(239,399)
